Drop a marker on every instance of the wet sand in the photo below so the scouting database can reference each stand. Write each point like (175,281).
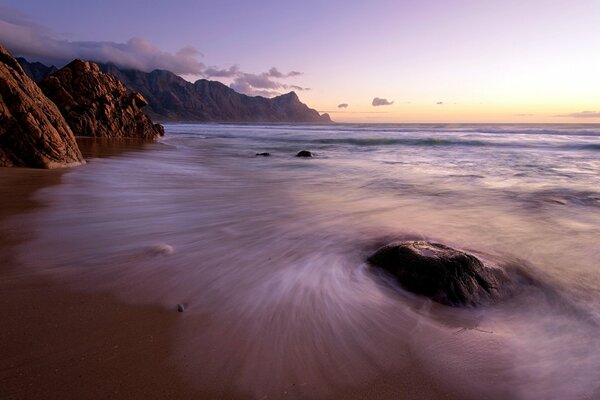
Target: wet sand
(60,343)
(269,255)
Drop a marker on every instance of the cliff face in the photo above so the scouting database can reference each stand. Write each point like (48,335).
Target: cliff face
(173,98)
(33,133)
(36,70)
(96,104)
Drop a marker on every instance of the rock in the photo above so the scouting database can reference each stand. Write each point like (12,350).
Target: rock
(304,153)
(171,97)
(36,70)
(161,249)
(96,104)
(33,133)
(263,154)
(180,307)
(446,275)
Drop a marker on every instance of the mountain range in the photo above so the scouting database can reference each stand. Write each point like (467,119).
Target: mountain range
(172,98)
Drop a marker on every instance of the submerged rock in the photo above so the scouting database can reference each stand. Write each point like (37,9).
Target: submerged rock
(96,104)
(33,133)
(263,154)
(161,249)
(445,275)
(180,307)
(304,153)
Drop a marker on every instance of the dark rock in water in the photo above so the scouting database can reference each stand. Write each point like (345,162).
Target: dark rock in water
(263,154)
(446,275)
(180,307)
(304,153)
(33,133)
(96,104)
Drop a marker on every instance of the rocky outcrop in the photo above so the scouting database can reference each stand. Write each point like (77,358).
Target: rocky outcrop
(172,98)
(175,99)
(446,275)
(304,154)
(33,133)
(96,104)
(36,70)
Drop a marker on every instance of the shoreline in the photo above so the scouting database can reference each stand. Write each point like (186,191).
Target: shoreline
(278,304)
(63,343)
(60,344)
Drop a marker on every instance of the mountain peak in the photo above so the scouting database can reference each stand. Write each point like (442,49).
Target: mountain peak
(172,98)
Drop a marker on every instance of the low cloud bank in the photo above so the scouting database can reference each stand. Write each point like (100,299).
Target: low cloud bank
(25,38)
(582,114)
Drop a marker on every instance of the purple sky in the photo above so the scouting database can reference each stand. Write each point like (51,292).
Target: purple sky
(463,60)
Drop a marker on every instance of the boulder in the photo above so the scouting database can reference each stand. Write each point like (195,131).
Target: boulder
(304,153)
(263,154)
(97,104)
(33,133)
(441,273)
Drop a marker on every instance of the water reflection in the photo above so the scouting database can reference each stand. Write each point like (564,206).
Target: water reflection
(268,256)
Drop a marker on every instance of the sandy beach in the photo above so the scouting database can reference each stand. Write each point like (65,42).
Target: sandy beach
(267,254)
(266,200)
(58,342)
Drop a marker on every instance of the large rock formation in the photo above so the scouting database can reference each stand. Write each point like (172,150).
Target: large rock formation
(36,70)
(33,133)
(173,98)
(443,274)
(96,104)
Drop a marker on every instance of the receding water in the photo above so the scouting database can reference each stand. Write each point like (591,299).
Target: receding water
(268,254)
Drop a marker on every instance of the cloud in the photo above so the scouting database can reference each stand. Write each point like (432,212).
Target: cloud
(582,114)
(524,115)
(381,102)
(264,84)
(343,105)
(246,88)
(354,112)
(296,87)
(23,37)
(216,72)
(274,73)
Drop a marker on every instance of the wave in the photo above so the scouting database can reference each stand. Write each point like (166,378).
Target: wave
(590,146)
(402,141)
(439,142)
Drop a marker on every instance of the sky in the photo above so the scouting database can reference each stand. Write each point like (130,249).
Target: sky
(361,61)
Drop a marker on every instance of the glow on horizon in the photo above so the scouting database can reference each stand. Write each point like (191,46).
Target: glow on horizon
(509,61)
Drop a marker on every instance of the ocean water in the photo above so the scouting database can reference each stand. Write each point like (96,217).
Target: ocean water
(268,254)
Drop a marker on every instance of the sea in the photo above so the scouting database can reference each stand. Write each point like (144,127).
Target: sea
(267,254)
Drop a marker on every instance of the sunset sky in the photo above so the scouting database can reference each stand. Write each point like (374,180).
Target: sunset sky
(437,61)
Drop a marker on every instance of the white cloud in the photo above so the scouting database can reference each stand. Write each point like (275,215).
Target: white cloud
(23,37)
(264,84)
(27,39)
